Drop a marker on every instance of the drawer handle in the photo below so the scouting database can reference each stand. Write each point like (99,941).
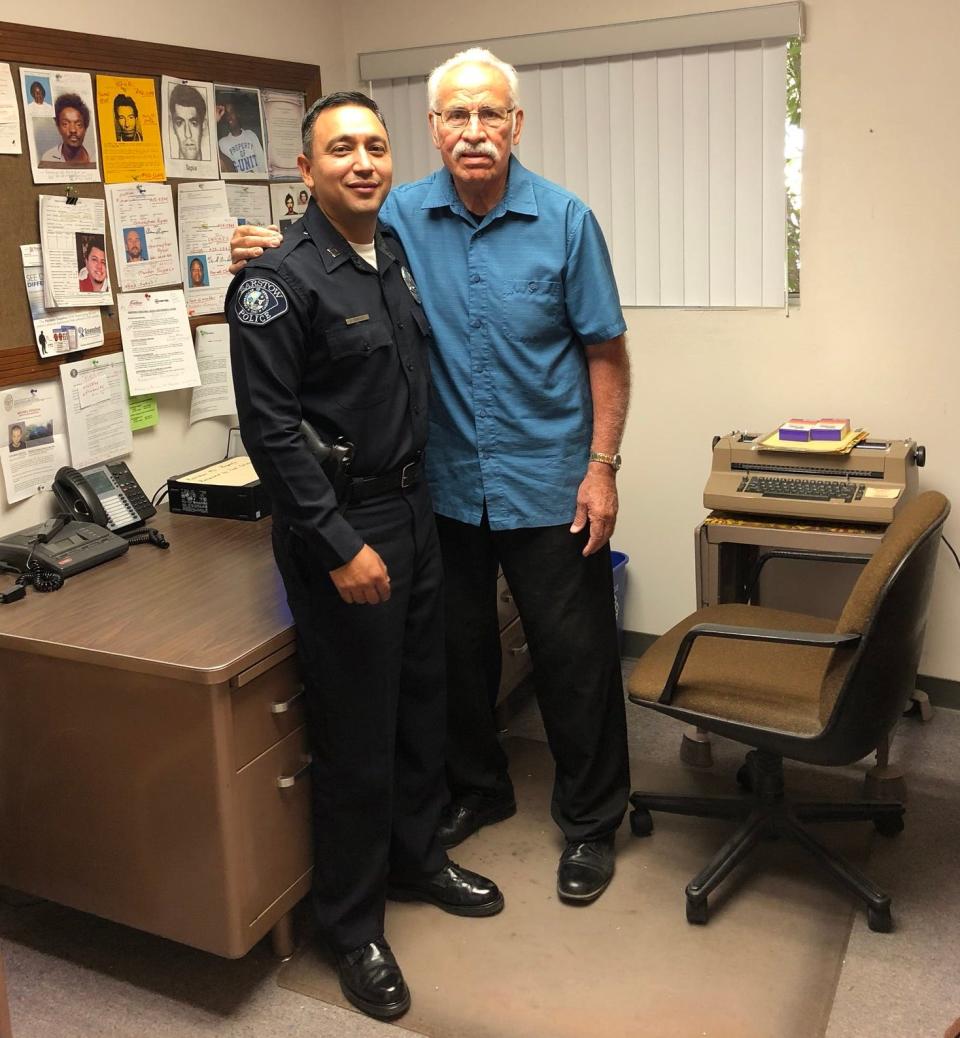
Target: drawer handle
(286,704)
(520,650)
(286,781)
(505,596)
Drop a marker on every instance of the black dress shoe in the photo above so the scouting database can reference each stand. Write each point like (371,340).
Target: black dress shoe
(585,870)
(459,821)
(371,979)
(455,890)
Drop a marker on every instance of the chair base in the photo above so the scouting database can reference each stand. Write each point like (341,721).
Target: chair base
(767,814)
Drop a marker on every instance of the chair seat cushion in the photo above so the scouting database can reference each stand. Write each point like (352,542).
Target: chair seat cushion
(756,683)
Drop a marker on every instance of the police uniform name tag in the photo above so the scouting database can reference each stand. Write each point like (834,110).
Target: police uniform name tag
(410,283)
(260,301)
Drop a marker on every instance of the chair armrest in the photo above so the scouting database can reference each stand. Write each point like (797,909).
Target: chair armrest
(807,556)
(752,634)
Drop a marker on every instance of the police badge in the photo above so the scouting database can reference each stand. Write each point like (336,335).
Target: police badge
(410,283)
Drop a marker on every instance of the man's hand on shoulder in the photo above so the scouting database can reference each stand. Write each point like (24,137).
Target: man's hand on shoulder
(363,580)
(597,504)
(249,241)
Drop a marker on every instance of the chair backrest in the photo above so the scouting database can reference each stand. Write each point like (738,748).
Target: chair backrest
(861,698)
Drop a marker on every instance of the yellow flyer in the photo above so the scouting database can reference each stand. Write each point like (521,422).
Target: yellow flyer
(129,130)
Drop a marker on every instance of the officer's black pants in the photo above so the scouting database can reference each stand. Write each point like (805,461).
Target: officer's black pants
(566,605)
(374,678)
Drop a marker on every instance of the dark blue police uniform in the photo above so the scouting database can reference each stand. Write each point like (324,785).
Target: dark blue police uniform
(317,333)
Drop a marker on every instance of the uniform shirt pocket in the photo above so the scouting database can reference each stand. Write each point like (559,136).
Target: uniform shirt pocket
(363,366)
(532,308)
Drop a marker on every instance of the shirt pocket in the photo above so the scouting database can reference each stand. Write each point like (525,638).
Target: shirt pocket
(363,365)
(532,309)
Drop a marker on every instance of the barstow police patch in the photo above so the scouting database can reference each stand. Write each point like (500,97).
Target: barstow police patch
(260,301)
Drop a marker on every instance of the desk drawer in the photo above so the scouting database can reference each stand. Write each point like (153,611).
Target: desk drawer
(274,824)
(516,659)
(506,607)
(265,709)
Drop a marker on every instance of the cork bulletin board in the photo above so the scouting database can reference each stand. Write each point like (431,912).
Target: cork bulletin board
(26,45)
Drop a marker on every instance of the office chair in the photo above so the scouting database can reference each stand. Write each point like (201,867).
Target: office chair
(801,687)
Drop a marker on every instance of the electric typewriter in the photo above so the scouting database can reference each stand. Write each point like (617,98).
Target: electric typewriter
(867,485)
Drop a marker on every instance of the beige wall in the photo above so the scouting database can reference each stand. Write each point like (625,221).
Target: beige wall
(873,339)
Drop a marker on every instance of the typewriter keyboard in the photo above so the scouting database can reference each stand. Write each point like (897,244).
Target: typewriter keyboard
(802,489)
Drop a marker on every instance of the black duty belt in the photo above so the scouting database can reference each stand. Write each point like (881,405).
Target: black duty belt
(359,488)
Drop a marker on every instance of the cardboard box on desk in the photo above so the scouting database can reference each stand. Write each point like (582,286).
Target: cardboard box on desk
(228,489)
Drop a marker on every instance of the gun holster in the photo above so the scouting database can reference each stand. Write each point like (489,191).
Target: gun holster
(335,459)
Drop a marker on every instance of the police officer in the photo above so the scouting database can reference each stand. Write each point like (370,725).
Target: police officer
(329,328)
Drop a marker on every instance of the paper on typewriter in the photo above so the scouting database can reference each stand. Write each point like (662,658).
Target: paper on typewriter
(772,442)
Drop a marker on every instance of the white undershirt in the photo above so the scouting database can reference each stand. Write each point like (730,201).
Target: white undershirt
(366,252)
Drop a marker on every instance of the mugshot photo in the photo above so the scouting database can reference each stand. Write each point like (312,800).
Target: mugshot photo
(188,109)
(197,276)
(62,126)
(240,134)
(126,119)
(135,245)
(16,437)
(92,275)
(38,102)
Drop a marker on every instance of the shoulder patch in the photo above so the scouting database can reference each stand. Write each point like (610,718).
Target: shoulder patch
(259,301)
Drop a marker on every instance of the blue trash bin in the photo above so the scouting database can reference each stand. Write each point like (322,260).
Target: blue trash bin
(619,562)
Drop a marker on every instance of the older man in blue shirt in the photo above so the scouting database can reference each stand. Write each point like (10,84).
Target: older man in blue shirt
(531,382)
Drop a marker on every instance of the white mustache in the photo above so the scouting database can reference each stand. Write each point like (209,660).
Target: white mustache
(486,148)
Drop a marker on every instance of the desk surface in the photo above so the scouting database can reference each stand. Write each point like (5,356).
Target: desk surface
(110,615)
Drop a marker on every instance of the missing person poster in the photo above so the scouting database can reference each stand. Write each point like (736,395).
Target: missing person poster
(61,123)
(188,116)
(129,130)
(240,133)
(74,248)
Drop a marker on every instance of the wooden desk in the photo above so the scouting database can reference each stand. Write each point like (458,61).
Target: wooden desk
(147,711)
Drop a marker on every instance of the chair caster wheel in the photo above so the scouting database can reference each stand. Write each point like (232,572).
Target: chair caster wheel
(745,778)
(697,912)
(889,825)
(878,919)
(641,822)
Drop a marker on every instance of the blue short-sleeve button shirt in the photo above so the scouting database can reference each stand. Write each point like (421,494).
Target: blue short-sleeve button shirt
(514,298)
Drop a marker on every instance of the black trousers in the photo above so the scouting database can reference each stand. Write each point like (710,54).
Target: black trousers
(567,608)
(375,694)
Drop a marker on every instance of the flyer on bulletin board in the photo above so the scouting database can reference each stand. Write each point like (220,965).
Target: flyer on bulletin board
(129,130)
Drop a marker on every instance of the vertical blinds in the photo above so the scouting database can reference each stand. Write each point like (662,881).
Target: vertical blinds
(680,155)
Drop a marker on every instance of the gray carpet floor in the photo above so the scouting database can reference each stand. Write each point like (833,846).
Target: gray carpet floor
(71,975)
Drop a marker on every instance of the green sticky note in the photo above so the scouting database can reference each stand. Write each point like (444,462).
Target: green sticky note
(143,412)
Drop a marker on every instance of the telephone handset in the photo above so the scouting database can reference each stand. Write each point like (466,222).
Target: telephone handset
(105,494)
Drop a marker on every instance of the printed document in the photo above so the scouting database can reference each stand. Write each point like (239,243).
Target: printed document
(57,331)
(155,331)
(144,235)
(34,446)
(96,405)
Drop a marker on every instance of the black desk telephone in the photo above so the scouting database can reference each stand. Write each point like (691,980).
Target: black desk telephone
(105,494)
(98,503)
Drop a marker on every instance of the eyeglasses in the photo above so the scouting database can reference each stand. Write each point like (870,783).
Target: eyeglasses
(458,118)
